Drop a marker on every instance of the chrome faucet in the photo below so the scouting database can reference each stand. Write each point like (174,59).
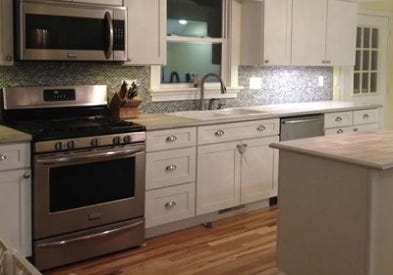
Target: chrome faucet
(203,80)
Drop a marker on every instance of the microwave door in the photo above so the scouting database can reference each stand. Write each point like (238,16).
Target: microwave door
(59,31)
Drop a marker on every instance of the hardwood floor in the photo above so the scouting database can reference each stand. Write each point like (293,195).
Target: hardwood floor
(244,244)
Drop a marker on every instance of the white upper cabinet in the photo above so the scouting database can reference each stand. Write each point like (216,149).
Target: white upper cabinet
(341,33)
(6,33)
(265,32)
(146,32)
(323,32)
(308,32)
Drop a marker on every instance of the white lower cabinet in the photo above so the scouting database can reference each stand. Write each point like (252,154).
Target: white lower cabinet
(170,175)
(239,171)
(351,121)
(170,204)
(15,196)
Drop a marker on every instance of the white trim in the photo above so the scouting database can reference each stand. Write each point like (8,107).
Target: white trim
(191,93)
(178,38)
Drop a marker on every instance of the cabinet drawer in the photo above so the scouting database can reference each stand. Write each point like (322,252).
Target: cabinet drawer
(338,119)
(235,131)
(170,139)
(340,130)
(365,127)
(170,204)
(14,156)
(167,168)
(365,116)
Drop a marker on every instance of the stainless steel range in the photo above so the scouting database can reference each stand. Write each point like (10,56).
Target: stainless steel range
(88,172)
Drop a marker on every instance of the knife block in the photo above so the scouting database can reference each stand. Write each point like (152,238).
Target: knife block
(130,109)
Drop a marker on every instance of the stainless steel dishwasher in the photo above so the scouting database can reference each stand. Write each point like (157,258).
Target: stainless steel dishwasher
(301,127)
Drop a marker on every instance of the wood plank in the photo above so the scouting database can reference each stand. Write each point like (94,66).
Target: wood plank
(244,244)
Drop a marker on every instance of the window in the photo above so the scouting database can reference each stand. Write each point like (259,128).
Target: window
(194,40)
(203,36)
(366,64)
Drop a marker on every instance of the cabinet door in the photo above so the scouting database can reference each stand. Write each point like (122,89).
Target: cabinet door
(15,209)
(341,33)
(218,177)
(257,170)
(276,32)
(265,35)
(146,32)
(6,33)
(308,32)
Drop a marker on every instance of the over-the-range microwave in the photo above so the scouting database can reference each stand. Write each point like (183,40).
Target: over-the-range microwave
(60,30)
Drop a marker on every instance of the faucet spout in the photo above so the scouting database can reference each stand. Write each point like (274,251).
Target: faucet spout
(203,80)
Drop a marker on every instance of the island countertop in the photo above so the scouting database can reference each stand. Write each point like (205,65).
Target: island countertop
(372,149)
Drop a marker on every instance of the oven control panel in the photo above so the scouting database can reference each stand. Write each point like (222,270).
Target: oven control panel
(89,142)
(59,95)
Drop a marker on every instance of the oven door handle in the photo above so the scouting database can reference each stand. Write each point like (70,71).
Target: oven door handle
(91,156)
(92,236)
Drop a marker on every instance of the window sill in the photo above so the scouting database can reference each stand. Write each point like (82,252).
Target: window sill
(173,94)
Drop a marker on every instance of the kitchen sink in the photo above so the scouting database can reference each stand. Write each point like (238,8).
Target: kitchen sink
(217,114)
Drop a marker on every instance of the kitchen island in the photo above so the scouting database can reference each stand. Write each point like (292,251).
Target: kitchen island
(336,204)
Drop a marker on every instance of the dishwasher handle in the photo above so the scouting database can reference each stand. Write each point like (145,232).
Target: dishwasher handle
(302,120)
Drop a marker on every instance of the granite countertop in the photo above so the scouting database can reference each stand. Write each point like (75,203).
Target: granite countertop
(9,135)
(162,121)
(372,149)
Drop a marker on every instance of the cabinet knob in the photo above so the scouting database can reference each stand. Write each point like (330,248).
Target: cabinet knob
(219,133)
(242,148)
(170,168)
(171,138)
(338,119)
(3,157)
(340,131)
(355,129)
(8,58)
(26,175)
(366,116)
(261,128)
(170,204)
(267,61)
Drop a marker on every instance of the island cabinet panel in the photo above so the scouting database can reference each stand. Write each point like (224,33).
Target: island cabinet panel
(338,119)
(323,226)
(365,116)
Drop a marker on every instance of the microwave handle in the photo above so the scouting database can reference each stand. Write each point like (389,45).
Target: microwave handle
(108,19)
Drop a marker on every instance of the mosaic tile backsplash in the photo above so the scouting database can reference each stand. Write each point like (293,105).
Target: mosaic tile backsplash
(279,84)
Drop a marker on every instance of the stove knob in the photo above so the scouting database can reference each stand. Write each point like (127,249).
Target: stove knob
(94,142)
(58,146)
(116,140)
(70,145)
(127,139)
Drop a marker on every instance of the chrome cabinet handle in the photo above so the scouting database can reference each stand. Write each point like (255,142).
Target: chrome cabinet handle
(267,61)
(366,116)
(8,58)
(355,129)
(26,175)
(219,133)
(170,204)
(340,131)
(170,168)
(3,157)
(171,138)
(338,119)
(261,128)
(242,148)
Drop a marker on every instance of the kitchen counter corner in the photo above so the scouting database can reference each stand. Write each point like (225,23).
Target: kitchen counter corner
(9,135)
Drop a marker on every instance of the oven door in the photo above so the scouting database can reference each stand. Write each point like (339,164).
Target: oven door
(70,31)
(80,190)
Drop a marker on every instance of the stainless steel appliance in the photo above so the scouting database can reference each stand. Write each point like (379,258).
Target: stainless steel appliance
(88,172)
(301,127)
(59,30)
